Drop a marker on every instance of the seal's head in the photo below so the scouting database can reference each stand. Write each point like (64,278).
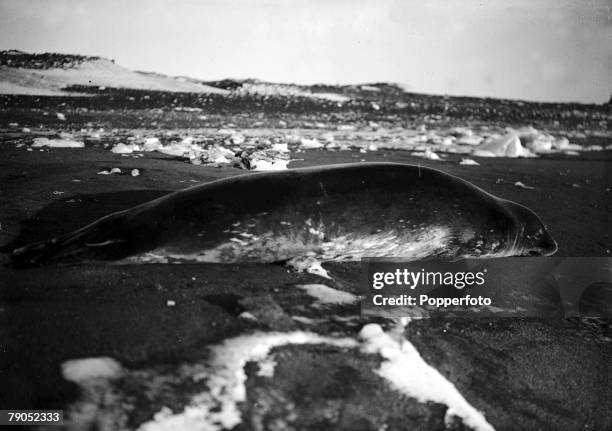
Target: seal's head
(532,238)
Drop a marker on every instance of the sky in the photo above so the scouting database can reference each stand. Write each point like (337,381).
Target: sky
(544,50)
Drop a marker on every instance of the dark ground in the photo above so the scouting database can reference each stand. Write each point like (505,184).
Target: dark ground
(522,373)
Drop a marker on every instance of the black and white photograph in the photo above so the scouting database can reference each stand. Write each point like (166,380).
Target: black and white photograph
(305,215)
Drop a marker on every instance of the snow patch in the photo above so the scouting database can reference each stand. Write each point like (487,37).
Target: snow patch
(407,372)
(217,408)
(98,406)
(326,295)
(288,90)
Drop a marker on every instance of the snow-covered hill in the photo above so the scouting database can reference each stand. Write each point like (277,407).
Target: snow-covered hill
(51,74)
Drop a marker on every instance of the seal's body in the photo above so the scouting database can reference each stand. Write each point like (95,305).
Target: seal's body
(337,212)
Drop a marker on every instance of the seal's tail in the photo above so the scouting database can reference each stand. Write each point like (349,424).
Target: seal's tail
(92,242)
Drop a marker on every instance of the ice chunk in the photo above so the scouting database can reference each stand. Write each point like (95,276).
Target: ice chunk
(308,144)
(427,154)
(561,143)
(522,186)
(237,139)
(176,149)
(541,145)
(307,264)
(57,143)
(293,139)
(327,295)
(122,148)
(217,154)
(78,370)
(151,144)
(269,165)
(470,140)
(508,145)
(281,148)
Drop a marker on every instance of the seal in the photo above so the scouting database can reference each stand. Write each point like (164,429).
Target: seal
(334,212)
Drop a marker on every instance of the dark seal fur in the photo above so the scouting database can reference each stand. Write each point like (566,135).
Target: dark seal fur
(334,212)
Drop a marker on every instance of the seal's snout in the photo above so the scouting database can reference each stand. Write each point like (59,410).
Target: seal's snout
(533,239)
(540,244)
(547,244)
